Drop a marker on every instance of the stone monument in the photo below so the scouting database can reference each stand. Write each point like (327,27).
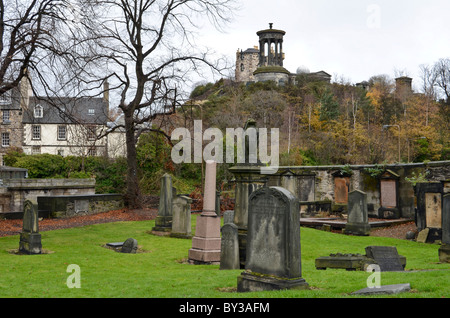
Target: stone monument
(229,252)
(30,238)
(429,209)
(228,217)
(386,257)
(444,250)
(206,243)
(273,259)
(248,179)
(163,222)
(181,222)
(129,246)
(358,217)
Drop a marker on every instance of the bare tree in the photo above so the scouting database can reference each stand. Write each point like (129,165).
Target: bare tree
(442,73)
(25,28)
(429,79)
(146,50)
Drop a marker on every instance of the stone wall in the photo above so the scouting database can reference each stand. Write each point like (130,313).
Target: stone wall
(74,205)
(363,177)
(14,192)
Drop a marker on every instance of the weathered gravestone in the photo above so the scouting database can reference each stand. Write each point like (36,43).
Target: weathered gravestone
(228,217)
(229,252)
(30,238)
(388,196)
(163,222)
(129,246)
(206,242)
(358,217)
(444,250)
(386,257)
(429,209)
(273,259)
(181,221)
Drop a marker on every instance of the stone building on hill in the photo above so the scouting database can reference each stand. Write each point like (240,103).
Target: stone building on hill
(265,62)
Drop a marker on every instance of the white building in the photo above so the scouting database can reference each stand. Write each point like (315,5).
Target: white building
(60,126)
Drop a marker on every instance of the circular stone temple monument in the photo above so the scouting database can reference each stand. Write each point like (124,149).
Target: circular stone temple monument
(271,56)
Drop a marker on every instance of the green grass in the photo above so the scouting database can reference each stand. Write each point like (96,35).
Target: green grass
(161,273)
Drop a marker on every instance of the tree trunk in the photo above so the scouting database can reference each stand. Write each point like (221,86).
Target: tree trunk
(133,194)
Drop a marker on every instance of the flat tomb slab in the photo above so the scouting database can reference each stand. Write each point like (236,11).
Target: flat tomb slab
(117,244)
(349,262)
(387,289)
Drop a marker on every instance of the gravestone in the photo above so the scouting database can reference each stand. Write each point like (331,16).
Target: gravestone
(358,217)
(444,250)
(181,221)
(129,246)
(341,186)
(429,209)
(273,259)
(228,217)
(30,238)
(163,222)
(206,242)
(433,208)
(229,252)
(386,257)
(306,188)
(388,196)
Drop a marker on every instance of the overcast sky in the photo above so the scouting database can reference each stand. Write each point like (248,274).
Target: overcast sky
(355,39)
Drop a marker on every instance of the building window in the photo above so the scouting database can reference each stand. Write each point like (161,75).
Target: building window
(36,132)
(242,67)
(38,111)
(62,132)
(91,111)
(61,152)
(6,117)
(91,133)
(35,150)
(5,140)
(5,98)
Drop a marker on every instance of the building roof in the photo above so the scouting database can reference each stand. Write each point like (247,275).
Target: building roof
(71,111)
(251,50)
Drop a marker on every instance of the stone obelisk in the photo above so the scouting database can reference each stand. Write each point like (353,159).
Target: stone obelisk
(206,242)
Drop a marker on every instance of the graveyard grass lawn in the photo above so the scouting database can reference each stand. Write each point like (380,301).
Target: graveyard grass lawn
(161,269)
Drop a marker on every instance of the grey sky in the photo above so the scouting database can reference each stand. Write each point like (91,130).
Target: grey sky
(355,39)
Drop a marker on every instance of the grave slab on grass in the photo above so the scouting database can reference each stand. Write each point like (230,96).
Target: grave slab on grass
(384,290)
(116,244)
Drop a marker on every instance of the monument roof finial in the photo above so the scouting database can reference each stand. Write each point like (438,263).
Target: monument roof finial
(270,25)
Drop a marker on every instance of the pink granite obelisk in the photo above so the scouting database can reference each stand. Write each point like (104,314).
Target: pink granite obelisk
(206,242)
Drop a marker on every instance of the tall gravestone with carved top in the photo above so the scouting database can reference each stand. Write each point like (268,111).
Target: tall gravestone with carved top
(273,259)
(30,238)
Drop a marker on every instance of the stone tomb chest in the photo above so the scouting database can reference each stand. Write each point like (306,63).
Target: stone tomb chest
(384,256)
